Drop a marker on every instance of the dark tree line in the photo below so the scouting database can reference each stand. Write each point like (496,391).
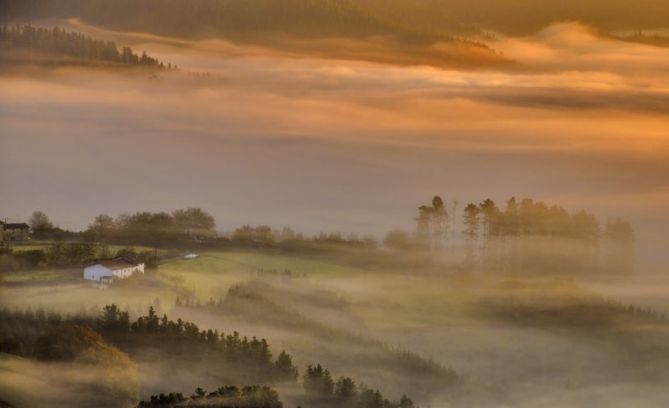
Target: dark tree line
(52,336)
(523,235)
(69,254)
(323,390)
(57,40)
(189,224)
(528,218)
(227,396)
(47,336)
(287,239)
(510,237)
(340,18)
(233,348)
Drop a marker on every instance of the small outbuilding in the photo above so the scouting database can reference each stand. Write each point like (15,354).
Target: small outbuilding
(110,269)
(14,231)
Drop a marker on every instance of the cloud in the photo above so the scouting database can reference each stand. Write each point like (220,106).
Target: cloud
(350,145)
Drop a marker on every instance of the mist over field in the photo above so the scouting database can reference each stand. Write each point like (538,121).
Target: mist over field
(294,152)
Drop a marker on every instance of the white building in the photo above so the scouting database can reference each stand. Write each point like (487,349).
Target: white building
(117,268)
(191,256)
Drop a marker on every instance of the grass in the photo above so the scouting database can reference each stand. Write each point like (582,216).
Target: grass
(383,298)
(42,276)
(43,245)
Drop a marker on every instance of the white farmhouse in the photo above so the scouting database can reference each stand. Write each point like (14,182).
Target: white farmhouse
(117,268)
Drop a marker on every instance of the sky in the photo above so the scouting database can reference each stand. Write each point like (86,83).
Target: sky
(324,144)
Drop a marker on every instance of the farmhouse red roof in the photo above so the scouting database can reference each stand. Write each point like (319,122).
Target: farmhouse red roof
(117,263)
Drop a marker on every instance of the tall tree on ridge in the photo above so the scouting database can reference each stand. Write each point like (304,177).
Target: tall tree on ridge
(472,223)
(439,221)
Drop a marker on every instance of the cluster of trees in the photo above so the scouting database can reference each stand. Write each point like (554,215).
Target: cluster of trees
(227,396)
(323,390)
(432,223)
(189,224)
(287,239)
(233,347)
(48,335)
(527,218)
(55,337)
(57,40)
(183,227)
(519,218)
(530,233)
(69,254)
(525,234)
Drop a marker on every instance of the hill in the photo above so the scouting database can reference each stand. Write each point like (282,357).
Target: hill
(57,43)
(409,19)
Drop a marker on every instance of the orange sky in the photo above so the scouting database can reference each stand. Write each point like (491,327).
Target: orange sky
(323,144)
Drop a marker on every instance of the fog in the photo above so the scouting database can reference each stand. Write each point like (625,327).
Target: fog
(530,340)
(346,135)
(48,384)
(349,144)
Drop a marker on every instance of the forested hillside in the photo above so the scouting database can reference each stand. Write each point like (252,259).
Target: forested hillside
(230,17)
(409,19)
(59,42)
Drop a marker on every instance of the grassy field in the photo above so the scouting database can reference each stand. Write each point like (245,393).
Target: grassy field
(383,298)
(42,276)
(43,245)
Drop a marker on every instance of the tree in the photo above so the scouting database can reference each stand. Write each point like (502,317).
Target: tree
(439,221)
(398,240)
(490,218)
(102,227)
(432,223)
(471,231)
(423,223)
(406,402)
(194,222)
(345,388)
(370,399)
(512,222)
(112,318)
(318,382)
(618,247)
(40,222)
(261,234)
(199,393)
(284,366)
